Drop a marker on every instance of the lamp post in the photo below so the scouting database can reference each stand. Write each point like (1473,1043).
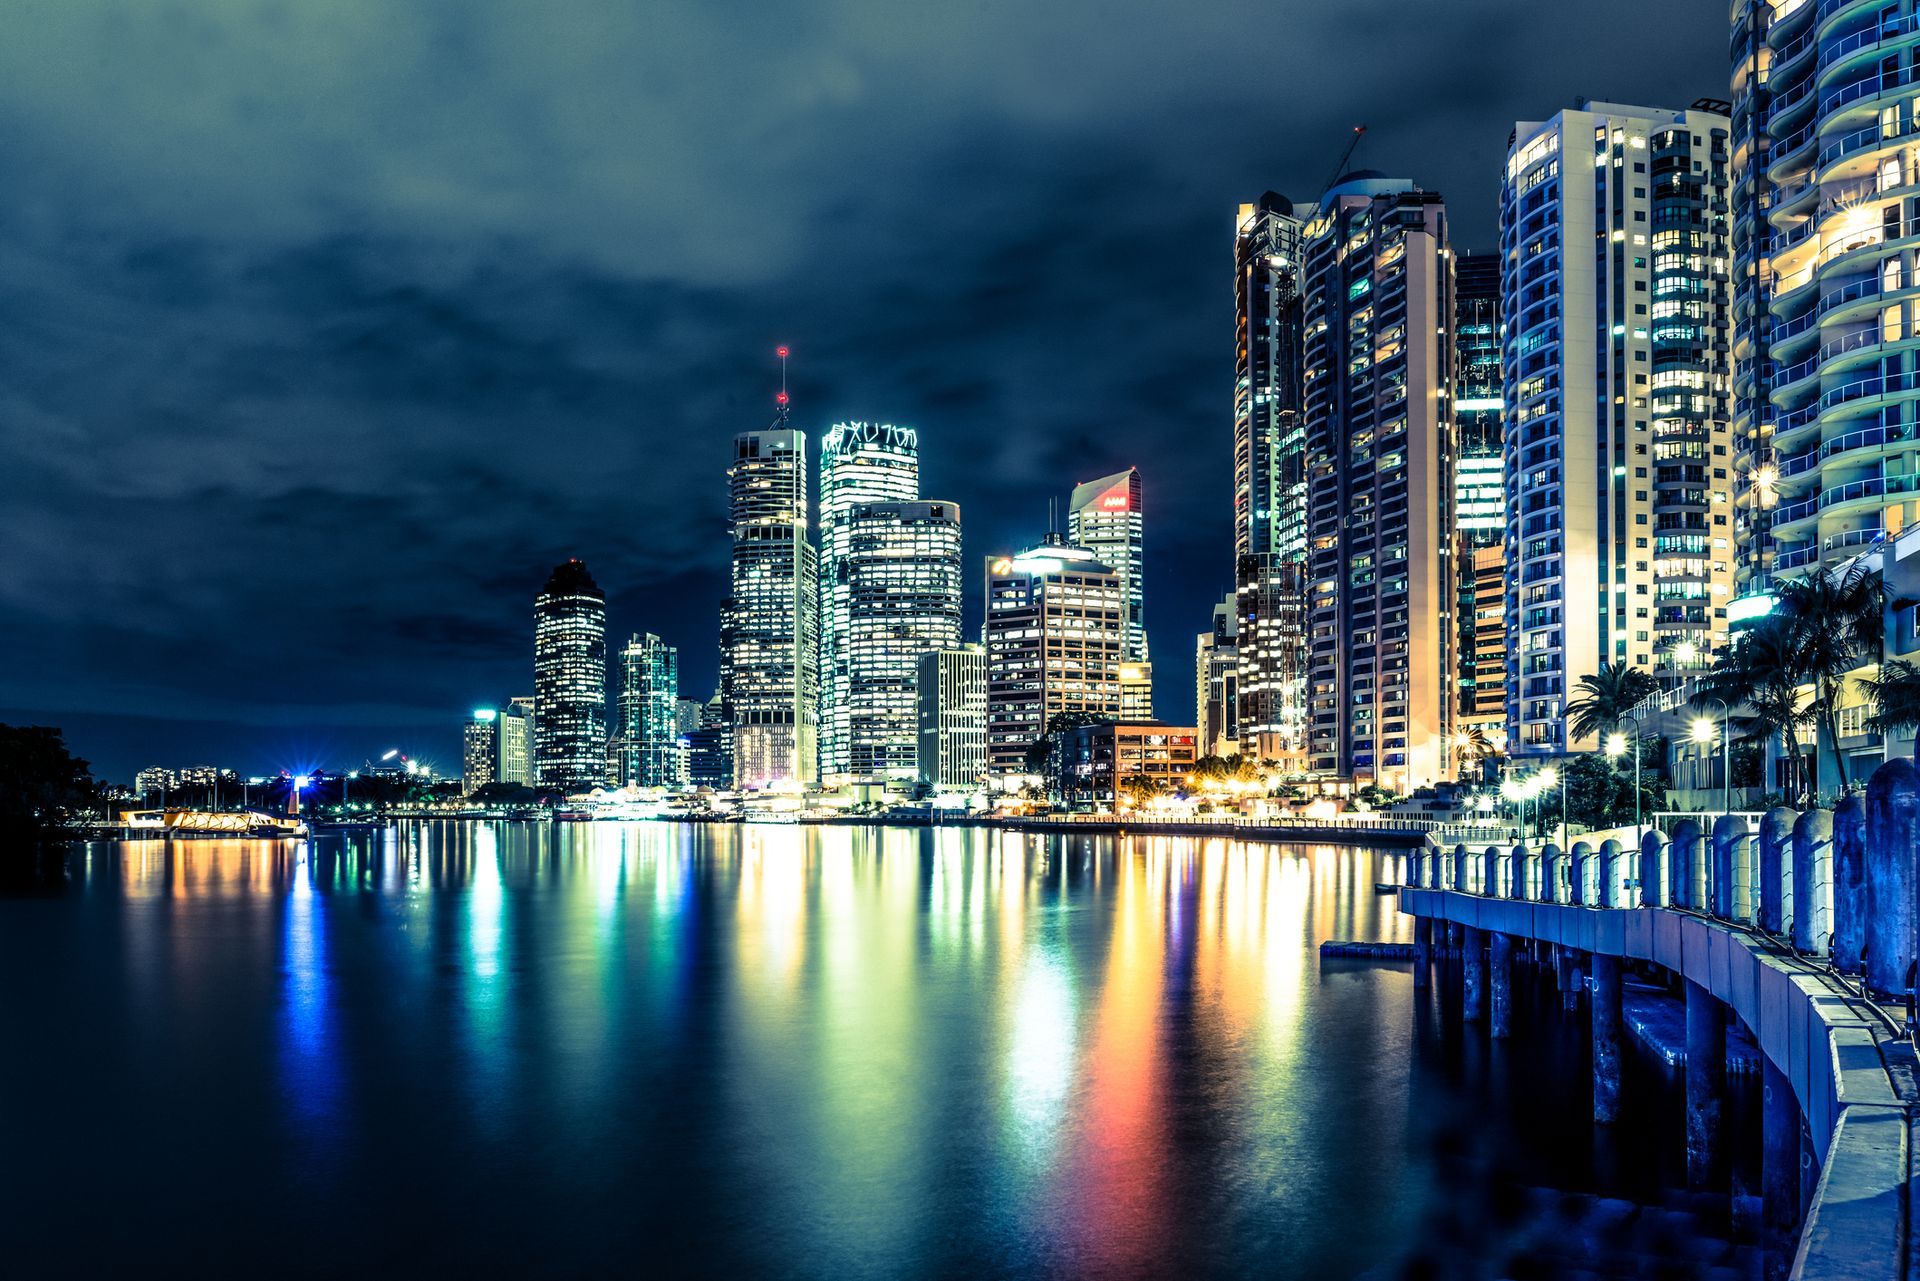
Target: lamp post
(1702,732)
(1617,743)
(1546,779)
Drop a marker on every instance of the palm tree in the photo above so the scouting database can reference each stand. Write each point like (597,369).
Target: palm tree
(1764,674)
(1837,623)
(1607,695)
(1896,696)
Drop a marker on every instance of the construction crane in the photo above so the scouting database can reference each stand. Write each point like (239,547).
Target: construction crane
(1340,166)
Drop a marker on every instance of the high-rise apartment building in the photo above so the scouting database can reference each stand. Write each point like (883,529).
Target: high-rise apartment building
(769,632)
(570,680)
(480,750)
(1105,517)
(1614,244)
(860,463)
(1379,316)
(1216,677)
(515,722)
(650,753)
(898,583)
(1826,378)
(1270,480)
(1479,497)
(952,705)
(1055,636)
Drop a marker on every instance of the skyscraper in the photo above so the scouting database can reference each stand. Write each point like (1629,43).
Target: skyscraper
(1104,516)
(1216,678)
(515,725)
(1614,232)
(1055,633)
(649,721)
(769,633)
(480,754)
(860,463)
(897,583)
(570,680)
(952,701)
(1479,498)
(1379,315)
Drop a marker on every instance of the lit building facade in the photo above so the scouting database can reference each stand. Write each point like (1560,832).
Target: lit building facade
(1270,480)
(1216,678)
(898,579)
(860,463)
(1093,764)
(1479,496)
(1105,516)
(1827,384)
(1136,690)
(480,750)
(650,754)
(1616,383)
(1055,637)
(769,631)
(952,705)
(1483,642)
(515,722)
(1381,600)
(570,680)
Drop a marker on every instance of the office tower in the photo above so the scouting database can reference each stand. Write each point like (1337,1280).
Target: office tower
(769,633)
(1479,495)
(1094,763)
(1104,516)
(1826,393)
(1379,363)
(1613,232)
(1270,480)
(480,750)
(570,680)
(515,722)
(1136,687)
(897,586)
(1216,675)
(1055,634)
(689,714)
(710,757)
(860,463)
(952,714)
(649,720)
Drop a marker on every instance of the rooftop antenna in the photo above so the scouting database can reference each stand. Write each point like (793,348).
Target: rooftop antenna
(780,401)
(1340,166)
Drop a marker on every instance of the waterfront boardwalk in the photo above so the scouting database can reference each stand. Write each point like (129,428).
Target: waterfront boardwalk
(1802,927)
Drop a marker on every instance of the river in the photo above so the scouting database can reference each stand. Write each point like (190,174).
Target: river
(722,1051)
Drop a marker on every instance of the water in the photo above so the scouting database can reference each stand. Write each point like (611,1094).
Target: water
(782,1052)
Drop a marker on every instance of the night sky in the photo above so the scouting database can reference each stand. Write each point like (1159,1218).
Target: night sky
(326,330)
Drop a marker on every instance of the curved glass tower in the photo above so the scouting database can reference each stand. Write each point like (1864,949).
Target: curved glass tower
(570,680)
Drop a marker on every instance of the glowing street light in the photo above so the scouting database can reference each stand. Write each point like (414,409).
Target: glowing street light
(1702,730)
(1616,743)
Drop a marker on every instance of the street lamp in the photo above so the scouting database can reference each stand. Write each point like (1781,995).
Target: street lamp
(1616,744)
(1702,732)
(1515,792)
(1549,777)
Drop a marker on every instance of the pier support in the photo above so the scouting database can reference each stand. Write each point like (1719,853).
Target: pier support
(1568,964)
(1706,1085)
(1473,945)
(1606,1039)
(1500,960)
(1779,1154)
(1422,951)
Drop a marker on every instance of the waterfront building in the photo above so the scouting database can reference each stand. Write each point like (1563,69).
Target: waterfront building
(1105,517)
(1136,690)
(1614,237)
(1270,480)
(860,463)
(1093,765)
(480,754)
(1055,632)
(951,694)
(1216,673)
(769,633)
(649,714)
(570,680)
(515,725)
(1479,496)
(898,585)
(1379,315)
(1826,251)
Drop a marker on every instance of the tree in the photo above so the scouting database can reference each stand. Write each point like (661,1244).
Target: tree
(1374,796)
(1837,623)
(504,794)
(44,789)
(1601,795)
(1606,696)
(1895,692)
(1765,672)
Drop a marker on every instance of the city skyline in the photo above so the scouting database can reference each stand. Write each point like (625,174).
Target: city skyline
(363,463)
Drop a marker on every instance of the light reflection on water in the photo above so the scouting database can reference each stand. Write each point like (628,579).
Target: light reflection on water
(771,1051)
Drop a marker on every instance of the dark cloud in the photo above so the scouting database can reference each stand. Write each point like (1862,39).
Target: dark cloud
(327,330)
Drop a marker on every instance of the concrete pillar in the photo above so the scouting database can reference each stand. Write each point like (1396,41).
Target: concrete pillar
(1810,908)
(1503,870)
(1779,1154)
(1612,875)
(1460,868)
(1500,966)
(1893,829)
(1606,1039)
(1776,839)
(1683,866)
(1422,951)
(1653,870)
(1473,943)
(1849,882)
(1414,863)
(1526,871)
(1490,871)
(1553,874)
(1706,1085)
(1580,867)
(1729,841)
